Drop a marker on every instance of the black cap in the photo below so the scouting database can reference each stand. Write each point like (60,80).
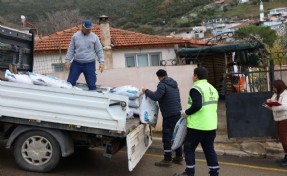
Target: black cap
(161,73)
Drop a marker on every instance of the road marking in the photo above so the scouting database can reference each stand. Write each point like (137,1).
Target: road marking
(254,167)
(234,164)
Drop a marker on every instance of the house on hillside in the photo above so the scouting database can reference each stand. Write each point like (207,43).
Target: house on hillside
(217,20)
(278,12)
(243,1)
(122,48)
(197,32)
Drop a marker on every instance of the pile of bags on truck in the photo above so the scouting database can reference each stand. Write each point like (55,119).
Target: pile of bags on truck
(134,98)
(139,104)
(37,79)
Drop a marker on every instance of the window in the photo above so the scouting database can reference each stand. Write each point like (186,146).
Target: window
(58,67)
(130,61)
(155,59)
(141,60)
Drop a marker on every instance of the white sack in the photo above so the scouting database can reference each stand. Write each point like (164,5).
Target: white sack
(134,103)
(49,80)
(136,111)
(128,90)
(19,78)
(179,133)
(148,111)
(59,82)
(130,113)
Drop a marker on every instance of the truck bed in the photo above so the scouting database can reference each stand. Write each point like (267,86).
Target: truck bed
(69,109)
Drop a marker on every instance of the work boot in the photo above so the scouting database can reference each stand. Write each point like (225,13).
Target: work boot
(177,160)
(183,174)
(163,163)
(284,161)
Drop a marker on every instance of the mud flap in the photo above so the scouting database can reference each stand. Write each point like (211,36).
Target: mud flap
(138,141)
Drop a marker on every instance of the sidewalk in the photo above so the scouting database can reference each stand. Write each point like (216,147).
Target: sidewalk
(265,148)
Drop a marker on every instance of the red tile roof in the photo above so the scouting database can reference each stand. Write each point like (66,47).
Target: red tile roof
(119,39)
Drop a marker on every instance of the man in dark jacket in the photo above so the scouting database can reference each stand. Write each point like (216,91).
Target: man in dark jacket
(168,97)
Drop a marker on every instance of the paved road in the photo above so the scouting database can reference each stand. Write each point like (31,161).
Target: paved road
(92,163)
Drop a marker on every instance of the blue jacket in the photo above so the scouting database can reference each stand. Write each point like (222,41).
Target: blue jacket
(168,97)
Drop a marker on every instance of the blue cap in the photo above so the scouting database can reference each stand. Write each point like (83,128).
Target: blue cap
(87,24)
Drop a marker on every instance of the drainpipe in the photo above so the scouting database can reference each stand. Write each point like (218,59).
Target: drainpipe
(106,40)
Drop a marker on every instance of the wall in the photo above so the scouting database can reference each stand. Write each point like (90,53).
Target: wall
(145,77)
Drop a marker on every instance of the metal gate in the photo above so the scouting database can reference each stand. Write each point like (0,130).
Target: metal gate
(242,73)
(246,117)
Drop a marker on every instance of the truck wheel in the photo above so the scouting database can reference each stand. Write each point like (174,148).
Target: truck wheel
(37,151)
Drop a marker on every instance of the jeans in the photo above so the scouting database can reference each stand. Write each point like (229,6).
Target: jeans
(89,71)
(206,139)
(168,125)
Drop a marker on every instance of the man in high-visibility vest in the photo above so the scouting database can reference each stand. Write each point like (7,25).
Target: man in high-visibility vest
(201,114)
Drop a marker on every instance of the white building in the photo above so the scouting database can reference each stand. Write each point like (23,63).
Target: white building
(243,1)
(278,12)
(217,20)
(122,48)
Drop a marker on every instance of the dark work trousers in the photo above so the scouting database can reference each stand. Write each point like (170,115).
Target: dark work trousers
(281,130)
(89,71)
(168,125)
(206,139)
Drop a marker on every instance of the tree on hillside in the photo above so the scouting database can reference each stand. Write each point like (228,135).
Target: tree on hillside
(57,21)
(278,52)
(283,41)
(265,34)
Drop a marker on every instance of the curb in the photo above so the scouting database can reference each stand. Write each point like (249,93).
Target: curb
(264,149)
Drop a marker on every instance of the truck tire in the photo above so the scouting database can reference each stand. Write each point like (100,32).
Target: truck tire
(37,151)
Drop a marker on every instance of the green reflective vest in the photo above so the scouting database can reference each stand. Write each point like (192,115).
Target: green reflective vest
(206,117)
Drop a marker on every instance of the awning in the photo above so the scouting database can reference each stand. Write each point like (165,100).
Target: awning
(217,49)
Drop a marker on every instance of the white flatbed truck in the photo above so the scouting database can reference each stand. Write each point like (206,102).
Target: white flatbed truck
(43,124)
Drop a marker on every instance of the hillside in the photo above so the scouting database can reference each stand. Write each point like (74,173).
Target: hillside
(148,16)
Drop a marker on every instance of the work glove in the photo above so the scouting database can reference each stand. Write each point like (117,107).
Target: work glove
(101,68)
(67,65)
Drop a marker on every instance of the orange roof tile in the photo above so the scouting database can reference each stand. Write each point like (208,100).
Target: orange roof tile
(119,39)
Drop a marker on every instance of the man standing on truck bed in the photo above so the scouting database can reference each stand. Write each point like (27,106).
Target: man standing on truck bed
(84,48)
(168,97)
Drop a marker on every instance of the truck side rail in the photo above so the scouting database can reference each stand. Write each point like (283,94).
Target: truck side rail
(63,106)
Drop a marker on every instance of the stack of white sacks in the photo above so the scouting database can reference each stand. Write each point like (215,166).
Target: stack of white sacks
(139,104)
(134,98)
(37,79)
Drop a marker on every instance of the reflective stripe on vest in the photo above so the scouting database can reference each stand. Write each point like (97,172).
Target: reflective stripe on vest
(203,98)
